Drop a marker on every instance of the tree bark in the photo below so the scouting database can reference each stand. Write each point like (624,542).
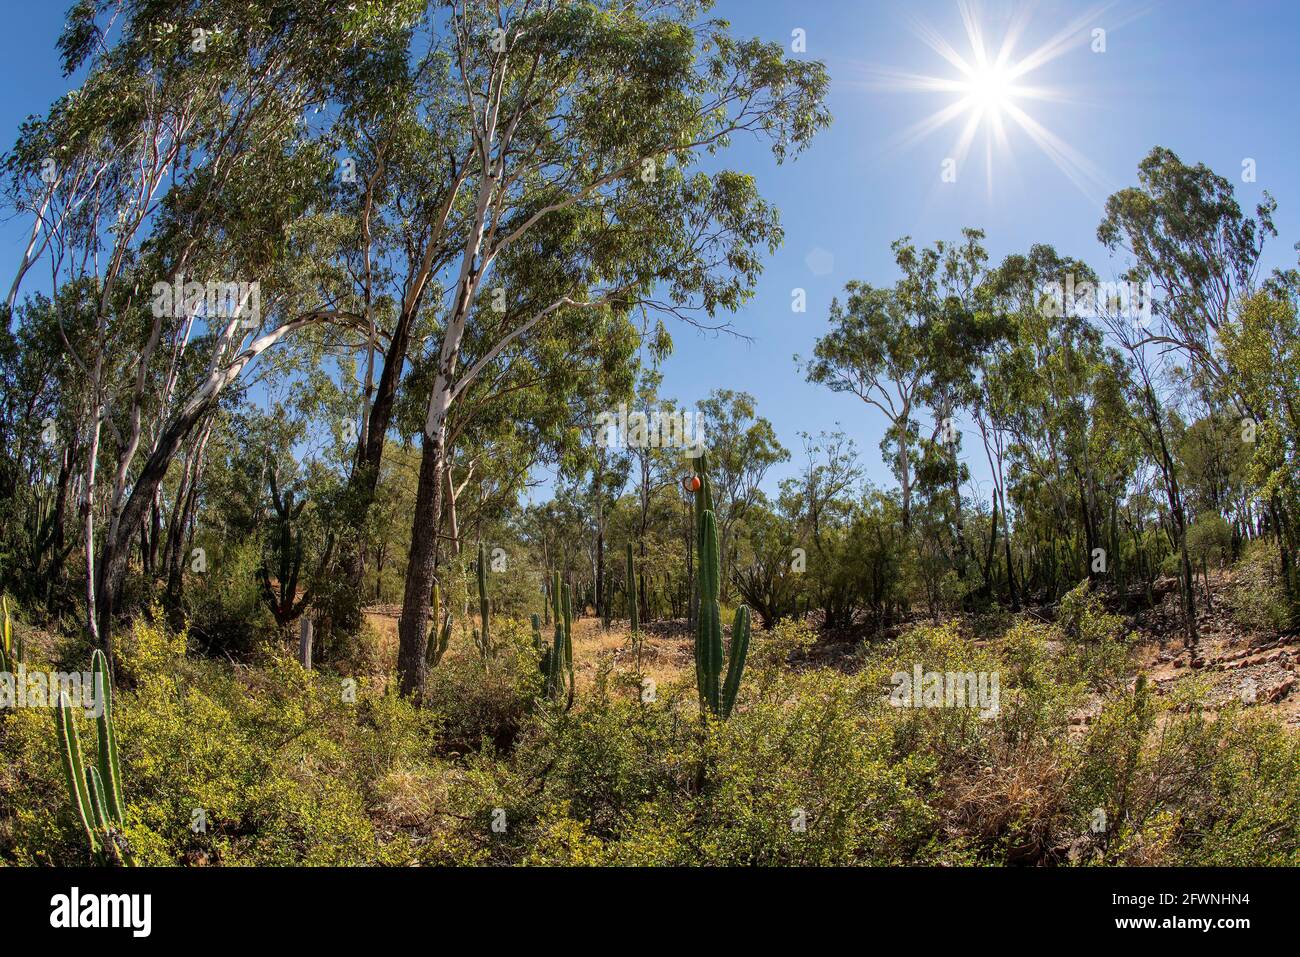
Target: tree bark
(421,568)
(364,481)
(115,554)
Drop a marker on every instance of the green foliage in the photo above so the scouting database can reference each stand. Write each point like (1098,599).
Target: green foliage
(476,706)
(818,768)
(609,123)
(1209,541)
(1257,596)
(286,555)
(283,768)
(1095,645)
(227,610)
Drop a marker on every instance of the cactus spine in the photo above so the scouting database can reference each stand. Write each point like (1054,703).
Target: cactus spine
(439,633)
(95,791)
(717,696)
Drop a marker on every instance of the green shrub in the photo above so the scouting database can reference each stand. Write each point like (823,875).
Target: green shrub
(1175,787)
(1094,642)
(262,766)
(816,765)
(477,702)
(227,615)
(1256,597)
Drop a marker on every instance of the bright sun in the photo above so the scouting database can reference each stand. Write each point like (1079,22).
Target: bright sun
(988,86)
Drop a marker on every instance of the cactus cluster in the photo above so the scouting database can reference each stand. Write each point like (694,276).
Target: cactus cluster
(717,696)
(557,660)
(439,629)
(95,790)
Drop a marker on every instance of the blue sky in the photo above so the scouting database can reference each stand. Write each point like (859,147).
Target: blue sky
(1215,82)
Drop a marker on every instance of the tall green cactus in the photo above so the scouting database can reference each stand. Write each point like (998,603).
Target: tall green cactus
(485,637)
(717,696)
(537,632)
(548,662)
(708,618)
(8,658)
(109,769)
(65,728)
(96,791)
(11,646)
(439,629)
(736,662)
(557,660)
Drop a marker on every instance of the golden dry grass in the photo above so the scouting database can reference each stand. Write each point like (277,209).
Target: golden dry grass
(666,649)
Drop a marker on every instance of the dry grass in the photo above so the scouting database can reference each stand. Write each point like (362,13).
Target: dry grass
(666,652)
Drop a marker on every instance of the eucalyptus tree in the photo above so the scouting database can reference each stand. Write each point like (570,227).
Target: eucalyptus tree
(184,153)
(597,472)
(584,121)
(1055,390)
(822,492)
(875,350)
(405,156)
(1216,464)
(39,393)
(654,463)
(1156,424)
(942,285)
(1262,342)
(802,535)
(655,467)
(743,447)
(1184,233)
